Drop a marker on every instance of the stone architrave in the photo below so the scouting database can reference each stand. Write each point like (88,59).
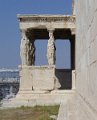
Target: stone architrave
(27,50)
(51,49)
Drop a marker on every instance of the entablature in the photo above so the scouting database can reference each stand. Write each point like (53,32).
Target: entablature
(46,21)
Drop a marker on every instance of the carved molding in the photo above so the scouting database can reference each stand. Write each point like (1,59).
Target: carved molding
(70,19)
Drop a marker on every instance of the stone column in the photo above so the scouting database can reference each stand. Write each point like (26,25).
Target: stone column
(51,48)
(27,50)
(23,48)
(31,53)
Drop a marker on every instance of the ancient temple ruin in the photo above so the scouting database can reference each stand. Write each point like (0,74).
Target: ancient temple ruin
(45,84)
(52,27)
(40,85)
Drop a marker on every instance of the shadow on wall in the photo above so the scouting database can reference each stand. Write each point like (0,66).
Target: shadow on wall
(65,78)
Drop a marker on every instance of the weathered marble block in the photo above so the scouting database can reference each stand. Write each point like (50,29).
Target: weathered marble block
(43,78)
(37,78)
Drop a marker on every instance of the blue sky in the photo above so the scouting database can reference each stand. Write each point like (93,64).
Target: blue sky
(9,27)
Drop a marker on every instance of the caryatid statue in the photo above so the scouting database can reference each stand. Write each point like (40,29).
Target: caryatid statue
(27,50)
(32,53)
(51,49)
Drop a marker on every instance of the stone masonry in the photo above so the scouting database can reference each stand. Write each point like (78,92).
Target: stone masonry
(86,58)
(42,78)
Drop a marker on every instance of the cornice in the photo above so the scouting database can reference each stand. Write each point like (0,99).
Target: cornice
(46,18)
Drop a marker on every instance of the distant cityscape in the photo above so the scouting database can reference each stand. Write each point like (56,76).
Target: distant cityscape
(9,83)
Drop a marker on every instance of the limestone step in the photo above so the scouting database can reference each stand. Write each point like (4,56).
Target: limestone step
(67,111)
(25,99)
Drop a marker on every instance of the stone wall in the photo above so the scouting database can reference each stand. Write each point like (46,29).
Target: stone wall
(37,78)
(86,57)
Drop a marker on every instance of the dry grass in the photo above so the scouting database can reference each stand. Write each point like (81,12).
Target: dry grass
(29,113)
